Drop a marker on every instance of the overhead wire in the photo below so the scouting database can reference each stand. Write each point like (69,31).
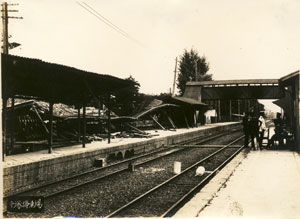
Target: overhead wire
(108,22)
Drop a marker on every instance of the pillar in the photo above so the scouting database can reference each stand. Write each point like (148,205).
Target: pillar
(230,111)
(219,110)
(108,119)
(297,110)
(50,141)
(78,118)
(4,128)
(84,125)
(12,137)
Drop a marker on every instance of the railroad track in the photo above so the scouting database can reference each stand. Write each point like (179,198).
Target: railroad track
(108,171)
(115,167)
(164,199)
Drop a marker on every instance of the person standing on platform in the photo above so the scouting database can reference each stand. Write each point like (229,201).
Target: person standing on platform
(254,130)
(246,124)
(278,131)
(262,128)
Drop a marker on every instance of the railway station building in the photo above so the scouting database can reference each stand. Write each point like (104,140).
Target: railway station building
(28,78)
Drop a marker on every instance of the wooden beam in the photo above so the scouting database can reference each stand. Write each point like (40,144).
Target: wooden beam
(4,128)
(219,111)
(187,124)
(99,114)
(12,136)
(78,119)
(41,120)
(84,125)
(108,121)
(297,114)
(170,120)
(50,142)
(138,130)
(163,128)
(195,118)
(230,111)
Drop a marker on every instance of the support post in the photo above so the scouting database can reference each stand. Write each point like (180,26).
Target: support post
(41,120)
(12,126)
(84,125)
(108,117)
(78,118)
(160,125)
(175,71)
(4,129)
(239,107)
(297,109)
(219,111)
(170,120)
(230,111)
(99,113)
(248,105)
(50,141)
(186,121)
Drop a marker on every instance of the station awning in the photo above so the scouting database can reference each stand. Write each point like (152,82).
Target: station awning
(248,82)
(53,82)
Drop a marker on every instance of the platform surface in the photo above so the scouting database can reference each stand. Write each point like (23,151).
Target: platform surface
(266,184)
(19,159)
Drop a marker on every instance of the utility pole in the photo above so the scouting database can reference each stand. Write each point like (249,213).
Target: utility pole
(5,47)
(175,71)
(5,18)
(196,71)
(5,27)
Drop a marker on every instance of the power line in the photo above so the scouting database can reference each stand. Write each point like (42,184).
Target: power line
(107,20)
(108,23)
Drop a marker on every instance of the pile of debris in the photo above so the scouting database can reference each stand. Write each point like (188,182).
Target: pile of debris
(28,123)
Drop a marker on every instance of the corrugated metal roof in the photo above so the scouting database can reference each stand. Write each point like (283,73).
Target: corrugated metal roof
(289,76)
(234,82)
(58,83)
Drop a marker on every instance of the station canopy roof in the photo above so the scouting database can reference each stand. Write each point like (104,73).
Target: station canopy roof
(33,78)
(235,89)
(289,79)
(235,82)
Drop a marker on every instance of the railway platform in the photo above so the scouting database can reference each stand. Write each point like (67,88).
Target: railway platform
(29,170)
(266,184)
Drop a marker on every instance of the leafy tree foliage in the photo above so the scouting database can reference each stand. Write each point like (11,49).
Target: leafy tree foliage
(192,67)
(127,99)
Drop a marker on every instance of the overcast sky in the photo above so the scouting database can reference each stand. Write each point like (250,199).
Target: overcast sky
(241,39)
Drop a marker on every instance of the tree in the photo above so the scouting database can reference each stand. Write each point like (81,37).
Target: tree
(127,98)
(192,67)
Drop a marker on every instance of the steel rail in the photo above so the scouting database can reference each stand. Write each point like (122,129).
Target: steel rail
(118,171)
(165,148)
(202,139)
(116,212)
(173,209)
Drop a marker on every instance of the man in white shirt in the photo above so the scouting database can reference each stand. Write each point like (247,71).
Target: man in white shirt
(262,128)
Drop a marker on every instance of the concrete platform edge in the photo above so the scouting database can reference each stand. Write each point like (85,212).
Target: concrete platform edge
(41,168)
(208,192)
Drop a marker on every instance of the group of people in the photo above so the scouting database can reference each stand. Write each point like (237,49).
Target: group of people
(254,128)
